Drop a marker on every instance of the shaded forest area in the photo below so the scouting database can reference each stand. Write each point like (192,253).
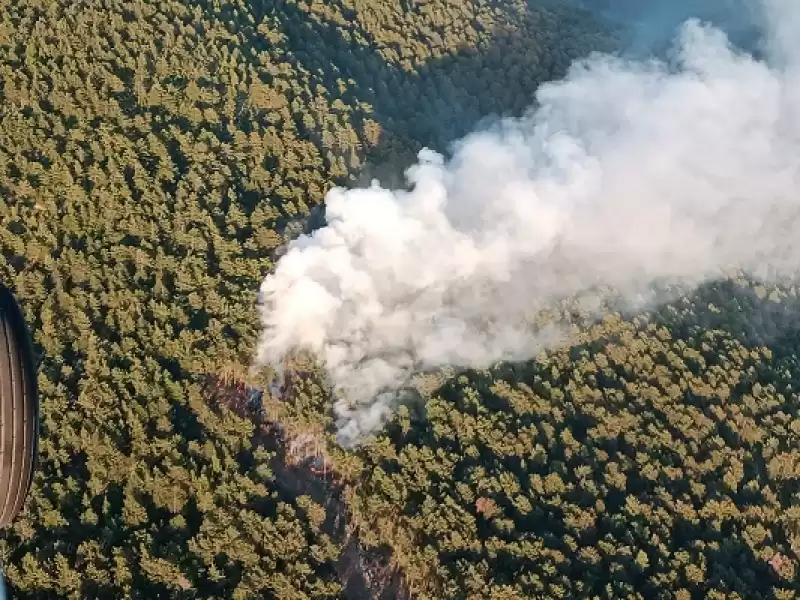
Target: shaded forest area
(156,156)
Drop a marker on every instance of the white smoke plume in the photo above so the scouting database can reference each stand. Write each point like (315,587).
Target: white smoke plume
(625,174)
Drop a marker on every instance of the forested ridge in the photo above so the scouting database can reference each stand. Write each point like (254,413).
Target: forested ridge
(155,158)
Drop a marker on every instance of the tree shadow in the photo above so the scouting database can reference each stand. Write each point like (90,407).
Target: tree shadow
(429,104)
(441,100)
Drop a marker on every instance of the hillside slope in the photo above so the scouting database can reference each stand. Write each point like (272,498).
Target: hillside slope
(156,156)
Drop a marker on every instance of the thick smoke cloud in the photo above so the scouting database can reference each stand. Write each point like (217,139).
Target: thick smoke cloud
(627,173)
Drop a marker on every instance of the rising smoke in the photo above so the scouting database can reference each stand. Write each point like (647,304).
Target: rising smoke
(627,173)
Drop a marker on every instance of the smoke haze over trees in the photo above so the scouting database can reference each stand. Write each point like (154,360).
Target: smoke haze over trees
(649,27)
(158,157)
(626,174)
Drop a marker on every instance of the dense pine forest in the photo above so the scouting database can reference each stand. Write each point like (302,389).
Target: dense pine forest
(155,158)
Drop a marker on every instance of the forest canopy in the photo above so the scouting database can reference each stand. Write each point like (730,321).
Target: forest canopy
(156,156)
